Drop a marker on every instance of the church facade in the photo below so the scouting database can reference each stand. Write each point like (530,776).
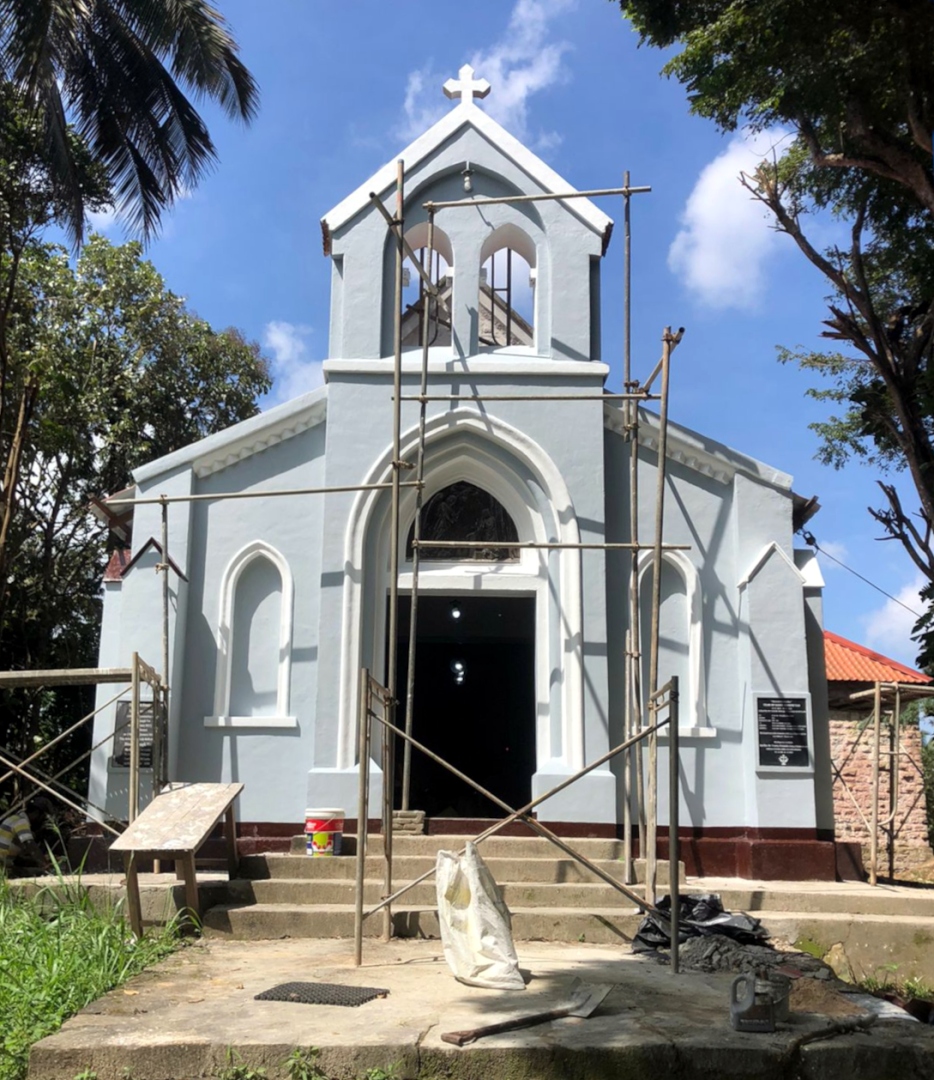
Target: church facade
(277,601)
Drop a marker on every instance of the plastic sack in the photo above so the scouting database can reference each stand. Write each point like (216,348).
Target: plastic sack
(476,930)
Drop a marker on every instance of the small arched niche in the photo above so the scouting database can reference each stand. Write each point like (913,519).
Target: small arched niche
(680,633)
(254,641)
(464,512)
(423,315)
(507,289)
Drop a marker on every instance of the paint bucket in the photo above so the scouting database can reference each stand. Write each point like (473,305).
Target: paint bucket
(323,831)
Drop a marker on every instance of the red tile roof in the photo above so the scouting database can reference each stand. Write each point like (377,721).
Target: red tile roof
(848,662)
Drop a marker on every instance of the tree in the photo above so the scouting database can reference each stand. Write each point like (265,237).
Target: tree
(115,70)
(854,80)
(129,374)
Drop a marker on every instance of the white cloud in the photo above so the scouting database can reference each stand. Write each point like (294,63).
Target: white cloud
(726,235)
(294,372)
(519,64)
(888,628)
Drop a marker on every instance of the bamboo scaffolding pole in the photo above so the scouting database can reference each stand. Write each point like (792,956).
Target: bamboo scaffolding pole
(271,493)
(532,823)
(4,760)
(133,786)
(544,197)
(68,731)
(529,397)
(363,796)
(519,814)
(874,833)
(668,342)
(674,818)
(548,545)
(393,628)
(416,537)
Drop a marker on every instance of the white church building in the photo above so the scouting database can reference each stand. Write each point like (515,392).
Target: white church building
(278,601)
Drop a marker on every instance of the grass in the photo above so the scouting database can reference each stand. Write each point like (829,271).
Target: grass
(57,954)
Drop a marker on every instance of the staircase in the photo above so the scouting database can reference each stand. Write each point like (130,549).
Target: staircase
(551,897)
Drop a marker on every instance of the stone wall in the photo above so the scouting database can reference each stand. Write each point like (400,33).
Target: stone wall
(851,739)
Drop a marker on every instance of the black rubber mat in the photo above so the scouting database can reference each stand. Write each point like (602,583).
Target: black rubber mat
(322,994)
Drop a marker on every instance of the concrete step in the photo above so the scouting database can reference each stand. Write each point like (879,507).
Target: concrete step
(513,847)
(407,867)
(872,943)
(832,898)
(515,894)
(254,922)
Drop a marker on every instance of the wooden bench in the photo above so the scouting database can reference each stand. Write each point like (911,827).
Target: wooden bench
(174,826)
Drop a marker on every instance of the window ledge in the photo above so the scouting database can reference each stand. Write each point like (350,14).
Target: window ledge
(251,721)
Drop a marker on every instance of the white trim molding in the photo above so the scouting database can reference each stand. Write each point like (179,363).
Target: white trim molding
(695,716)
(249,553)
(466,445)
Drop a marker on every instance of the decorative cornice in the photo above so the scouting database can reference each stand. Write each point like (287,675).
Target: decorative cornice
(704,456)
(260,440)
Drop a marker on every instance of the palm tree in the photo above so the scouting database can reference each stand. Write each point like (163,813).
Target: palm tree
(115,69)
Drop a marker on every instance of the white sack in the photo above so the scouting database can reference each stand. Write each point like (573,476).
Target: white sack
(476,929)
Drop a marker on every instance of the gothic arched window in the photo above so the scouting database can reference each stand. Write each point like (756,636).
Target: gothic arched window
(507,289)
(463,511)
(421,314)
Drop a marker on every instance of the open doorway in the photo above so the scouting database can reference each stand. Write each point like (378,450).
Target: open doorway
(474,701)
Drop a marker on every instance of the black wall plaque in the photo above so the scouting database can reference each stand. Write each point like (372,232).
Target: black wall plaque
(121,756)
(782,724)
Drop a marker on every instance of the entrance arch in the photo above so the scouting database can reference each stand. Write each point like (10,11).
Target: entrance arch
(464,445)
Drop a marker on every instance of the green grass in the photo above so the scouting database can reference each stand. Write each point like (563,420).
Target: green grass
(57,954)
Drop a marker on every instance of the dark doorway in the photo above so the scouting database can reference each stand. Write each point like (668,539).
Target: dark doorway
(474,701)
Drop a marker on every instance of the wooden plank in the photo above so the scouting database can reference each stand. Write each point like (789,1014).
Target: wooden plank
(230,830)
(191,886)
(134,906)
(178,820)
(66,677)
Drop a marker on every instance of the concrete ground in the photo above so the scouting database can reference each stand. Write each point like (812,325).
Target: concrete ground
(193,1013)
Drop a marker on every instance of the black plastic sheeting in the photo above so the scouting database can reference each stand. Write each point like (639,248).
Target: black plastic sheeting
(700,914)
(322,994)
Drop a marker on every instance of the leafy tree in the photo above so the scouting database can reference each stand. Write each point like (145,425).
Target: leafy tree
(854,82)
(128,374)
(116,70)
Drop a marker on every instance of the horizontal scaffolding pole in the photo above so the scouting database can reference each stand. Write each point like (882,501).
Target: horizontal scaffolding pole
(65,677)
(158,500)
(543,544)
(531,397)
(488,201)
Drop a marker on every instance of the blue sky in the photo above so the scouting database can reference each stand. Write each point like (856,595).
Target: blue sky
(346,85)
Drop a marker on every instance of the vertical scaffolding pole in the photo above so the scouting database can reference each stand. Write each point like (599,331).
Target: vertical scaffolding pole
(874,828)
(133,808)
(161,730)
(417,531)
(363,751)
(393,629)
(651,829)
(674,820)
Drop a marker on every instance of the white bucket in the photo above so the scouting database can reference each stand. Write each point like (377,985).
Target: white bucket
(324,829)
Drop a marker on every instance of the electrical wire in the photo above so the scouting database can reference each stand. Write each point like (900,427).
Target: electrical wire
(809,539)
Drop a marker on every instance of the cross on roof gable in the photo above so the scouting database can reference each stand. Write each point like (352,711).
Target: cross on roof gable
(465,113)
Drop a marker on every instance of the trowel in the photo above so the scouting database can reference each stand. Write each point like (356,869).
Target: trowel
(585,998)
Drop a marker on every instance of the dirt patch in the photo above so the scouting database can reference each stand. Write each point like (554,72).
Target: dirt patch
(815,996)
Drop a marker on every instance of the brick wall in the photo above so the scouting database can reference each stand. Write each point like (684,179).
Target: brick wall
(851,739)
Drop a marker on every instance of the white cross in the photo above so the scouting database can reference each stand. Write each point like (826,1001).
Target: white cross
(465,86)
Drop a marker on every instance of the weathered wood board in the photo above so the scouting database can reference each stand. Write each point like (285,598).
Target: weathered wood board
(178,820)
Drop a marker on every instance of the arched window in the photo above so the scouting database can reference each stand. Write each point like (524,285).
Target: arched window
(680,633)
(507,289)
(254,641)
(463,511)
(422,314)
